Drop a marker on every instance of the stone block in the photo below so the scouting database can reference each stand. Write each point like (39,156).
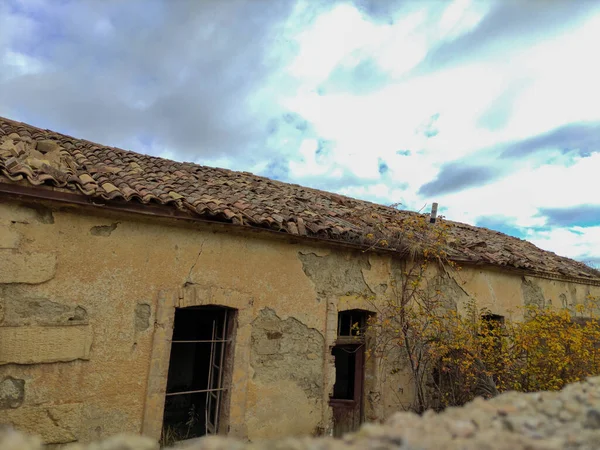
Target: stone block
(30,268)
(21,311)
(12,392)
(53,424)
(32,345)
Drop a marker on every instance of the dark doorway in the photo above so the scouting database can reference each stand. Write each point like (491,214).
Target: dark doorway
(349,353)
(198,380)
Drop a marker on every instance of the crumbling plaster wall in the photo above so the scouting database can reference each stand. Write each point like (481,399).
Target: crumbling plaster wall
(279,298)
(286,360)
(86,301)
(74,326)
(569,419)
(345,280)
(358,280)
(79,295)
(80,333)
(505,293)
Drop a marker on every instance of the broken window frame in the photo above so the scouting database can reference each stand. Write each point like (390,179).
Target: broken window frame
(356,321)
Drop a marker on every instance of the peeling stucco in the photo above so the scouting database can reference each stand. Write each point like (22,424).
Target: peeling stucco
(286,386)
(453,291)
(9,237)
(532,293)
(337,274)
(12,393)
(103,230)
(142,316)
(287,349)
(32,213)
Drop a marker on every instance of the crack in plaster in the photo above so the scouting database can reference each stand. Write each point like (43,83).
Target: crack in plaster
(188,280)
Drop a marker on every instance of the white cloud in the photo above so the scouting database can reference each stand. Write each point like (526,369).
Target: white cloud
(174,86)
(566,82)
(308,164)
(460,17)
(575,242)
(321,50)
(19,64)
(557,81)
(519,196)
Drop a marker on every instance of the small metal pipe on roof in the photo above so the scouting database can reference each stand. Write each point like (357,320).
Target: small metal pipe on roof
(433,215)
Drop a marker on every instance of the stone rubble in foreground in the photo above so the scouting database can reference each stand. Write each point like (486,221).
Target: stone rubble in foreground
(569,419)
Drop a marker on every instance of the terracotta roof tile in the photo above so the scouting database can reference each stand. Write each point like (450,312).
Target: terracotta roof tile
(45,157)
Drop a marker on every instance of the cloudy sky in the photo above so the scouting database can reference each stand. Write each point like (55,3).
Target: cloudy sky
(491,109)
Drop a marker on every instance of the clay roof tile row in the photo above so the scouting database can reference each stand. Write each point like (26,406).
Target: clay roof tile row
(42,157)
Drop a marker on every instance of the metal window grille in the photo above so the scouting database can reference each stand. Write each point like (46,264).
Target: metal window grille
(214,389)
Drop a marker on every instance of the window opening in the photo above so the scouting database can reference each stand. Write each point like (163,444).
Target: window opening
(196,383)
(493,319)
(351,323)
(493,323)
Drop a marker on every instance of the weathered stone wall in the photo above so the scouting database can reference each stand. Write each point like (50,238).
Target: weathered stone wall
(369,279)
(503,292)
(569,419)
(87,303)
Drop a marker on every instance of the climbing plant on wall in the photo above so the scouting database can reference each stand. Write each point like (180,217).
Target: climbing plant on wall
(454,353)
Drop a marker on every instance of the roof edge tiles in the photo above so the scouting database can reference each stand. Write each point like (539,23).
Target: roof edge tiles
(43,159)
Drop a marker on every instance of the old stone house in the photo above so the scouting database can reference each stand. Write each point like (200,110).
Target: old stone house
(138,293)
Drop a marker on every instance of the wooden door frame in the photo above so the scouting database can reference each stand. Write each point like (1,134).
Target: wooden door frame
(359,375)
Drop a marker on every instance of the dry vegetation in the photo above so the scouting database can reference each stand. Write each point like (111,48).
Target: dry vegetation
(455,353)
